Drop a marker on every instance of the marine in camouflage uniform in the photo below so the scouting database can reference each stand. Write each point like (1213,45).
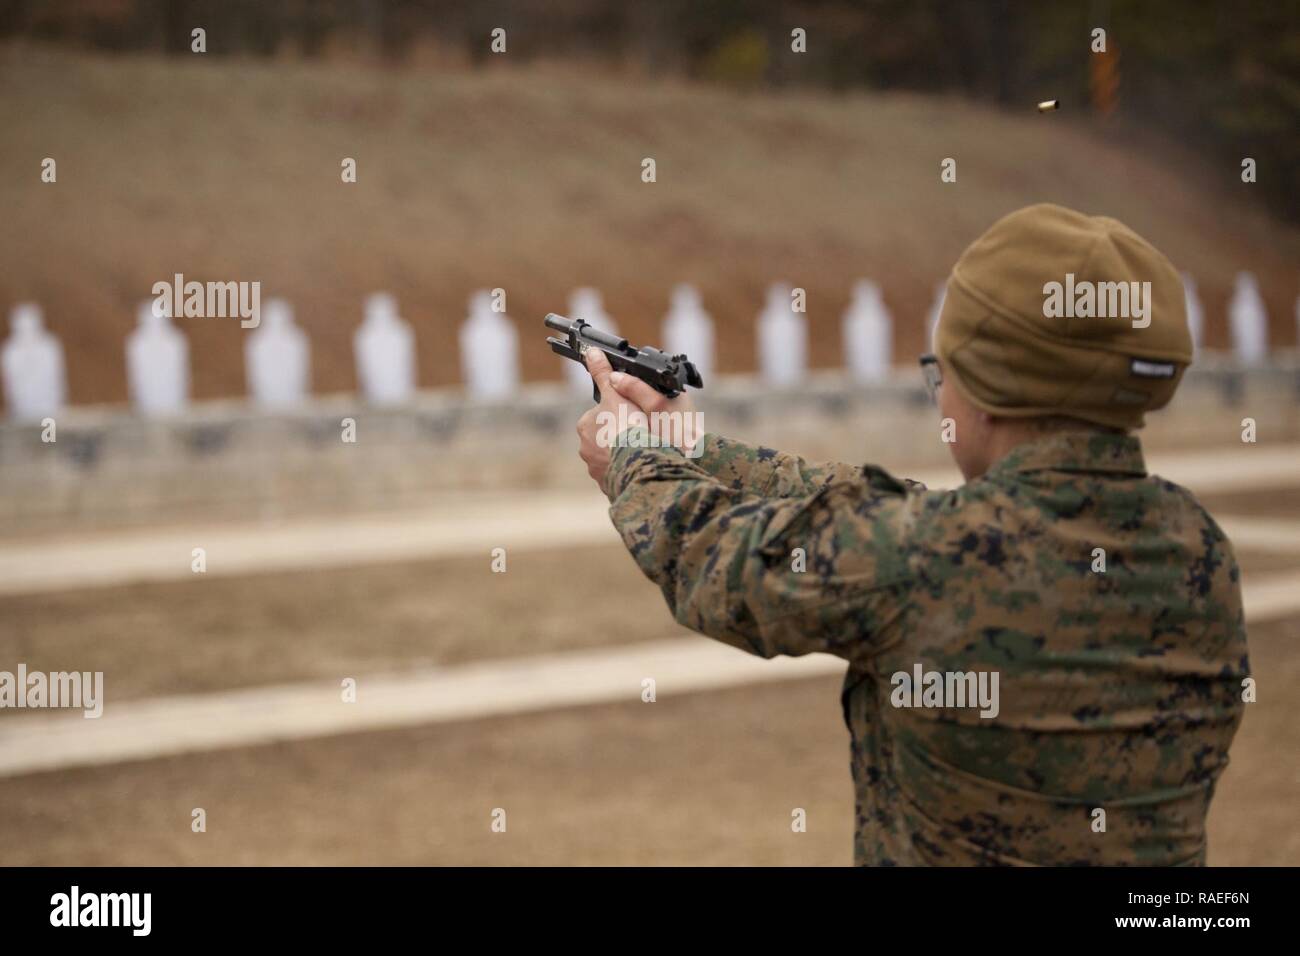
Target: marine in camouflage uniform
(1119,689)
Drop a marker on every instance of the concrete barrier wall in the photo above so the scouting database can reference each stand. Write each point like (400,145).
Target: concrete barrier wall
(225,460)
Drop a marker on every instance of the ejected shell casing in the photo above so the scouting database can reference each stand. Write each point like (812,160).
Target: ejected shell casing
(1047,105)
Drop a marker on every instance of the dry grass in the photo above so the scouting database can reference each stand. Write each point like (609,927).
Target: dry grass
(529,180)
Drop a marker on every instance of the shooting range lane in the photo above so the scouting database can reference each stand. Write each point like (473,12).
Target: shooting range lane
(467,525)
(159,726)
(472,525)
(163,726)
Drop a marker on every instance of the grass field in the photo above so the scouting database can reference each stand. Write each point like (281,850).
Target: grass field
(529,180)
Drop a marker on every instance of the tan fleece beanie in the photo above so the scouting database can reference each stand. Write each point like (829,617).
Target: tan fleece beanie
(1052,312)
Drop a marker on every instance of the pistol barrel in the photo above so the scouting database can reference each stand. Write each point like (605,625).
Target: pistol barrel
(586,331)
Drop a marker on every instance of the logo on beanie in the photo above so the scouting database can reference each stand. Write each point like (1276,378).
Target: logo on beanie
(1101,300)
(1144,369)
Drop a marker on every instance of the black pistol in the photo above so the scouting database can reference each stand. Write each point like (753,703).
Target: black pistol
(669,374)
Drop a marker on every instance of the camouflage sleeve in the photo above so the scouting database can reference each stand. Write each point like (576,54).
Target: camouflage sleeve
(766,472)
(828,571)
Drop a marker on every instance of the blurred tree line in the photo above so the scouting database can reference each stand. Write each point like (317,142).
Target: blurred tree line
(1221,77)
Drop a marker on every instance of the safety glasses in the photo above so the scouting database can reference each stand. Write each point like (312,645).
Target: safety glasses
(932,375)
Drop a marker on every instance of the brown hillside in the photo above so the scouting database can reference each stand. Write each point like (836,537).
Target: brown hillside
(529,179)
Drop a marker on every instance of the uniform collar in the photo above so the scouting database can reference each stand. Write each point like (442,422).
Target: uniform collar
(1075,451)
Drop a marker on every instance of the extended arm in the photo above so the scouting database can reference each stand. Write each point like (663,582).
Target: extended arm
(826,571)
(767,473)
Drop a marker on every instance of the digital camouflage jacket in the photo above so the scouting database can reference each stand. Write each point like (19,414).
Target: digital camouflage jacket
(1106,601)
